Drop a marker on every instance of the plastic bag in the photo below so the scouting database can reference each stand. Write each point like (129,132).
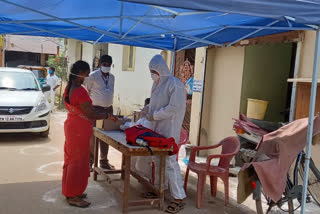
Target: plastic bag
(144,122)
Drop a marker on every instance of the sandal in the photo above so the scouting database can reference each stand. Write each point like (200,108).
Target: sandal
(83,196)
(106,165)
(149,195)
(175,206)
(78,202)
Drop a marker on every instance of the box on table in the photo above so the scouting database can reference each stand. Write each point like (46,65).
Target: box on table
(99,124)
(111,125)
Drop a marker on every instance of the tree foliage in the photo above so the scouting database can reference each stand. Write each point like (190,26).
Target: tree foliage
(60,64)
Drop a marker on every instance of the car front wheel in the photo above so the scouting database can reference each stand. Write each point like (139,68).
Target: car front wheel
(45,133)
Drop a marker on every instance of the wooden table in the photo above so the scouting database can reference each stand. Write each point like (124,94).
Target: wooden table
(117,140)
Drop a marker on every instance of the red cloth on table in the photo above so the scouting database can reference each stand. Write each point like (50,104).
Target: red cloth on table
(152,138)
(78,130)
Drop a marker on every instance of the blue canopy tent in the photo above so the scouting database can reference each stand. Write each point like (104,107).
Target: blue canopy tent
(302,11)
(112,21)
(163,24)
(298,11)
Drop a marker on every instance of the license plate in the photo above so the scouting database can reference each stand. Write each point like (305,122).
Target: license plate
(10,118)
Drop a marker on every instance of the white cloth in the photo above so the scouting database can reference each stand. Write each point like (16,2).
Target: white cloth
(53,81)
(168,105)
(142,164)
(173,177)
(144,122)
(100,89)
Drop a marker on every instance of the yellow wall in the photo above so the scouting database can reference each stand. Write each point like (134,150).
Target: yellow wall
(223,89)
(222,93)
(307,52)
(305,71)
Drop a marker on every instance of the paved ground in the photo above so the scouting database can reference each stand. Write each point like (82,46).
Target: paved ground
(30,180)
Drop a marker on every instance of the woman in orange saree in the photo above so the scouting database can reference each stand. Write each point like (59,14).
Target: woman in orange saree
(78,130)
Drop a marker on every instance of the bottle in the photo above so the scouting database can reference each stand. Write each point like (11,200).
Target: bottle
(141,142)
(186,161)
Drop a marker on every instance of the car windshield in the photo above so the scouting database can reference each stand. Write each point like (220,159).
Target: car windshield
(18,81)
(39,73)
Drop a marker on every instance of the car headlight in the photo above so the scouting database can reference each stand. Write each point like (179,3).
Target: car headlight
(42,105)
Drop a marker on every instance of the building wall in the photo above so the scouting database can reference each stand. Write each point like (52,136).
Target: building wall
(223,86)
(131,87)
(15,58)
(1,57)
(43,58)
(305,71)
(71,52)
(223,83)
(88,53)
(101,48)
(307,53)
(32,44)
(77,50)
(222,93)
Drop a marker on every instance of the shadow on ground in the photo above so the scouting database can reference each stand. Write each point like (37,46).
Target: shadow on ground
(45,197)
(17,139)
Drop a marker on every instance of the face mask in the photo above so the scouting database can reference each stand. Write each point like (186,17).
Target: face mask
(155,77)
(78,75)
(50,71)
(105,69)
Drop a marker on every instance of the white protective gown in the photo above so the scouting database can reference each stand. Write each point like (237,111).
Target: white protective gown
(168,106)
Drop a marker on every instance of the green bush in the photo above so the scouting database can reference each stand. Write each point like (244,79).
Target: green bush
(60,64)
(61,70)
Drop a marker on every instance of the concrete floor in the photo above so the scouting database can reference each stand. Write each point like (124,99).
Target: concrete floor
(30,181)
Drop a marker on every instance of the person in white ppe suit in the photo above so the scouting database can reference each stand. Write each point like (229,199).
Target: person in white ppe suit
(54,83)
(166,112)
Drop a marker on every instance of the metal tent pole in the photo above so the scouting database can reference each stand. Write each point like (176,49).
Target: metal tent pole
(311,119)
(173,62)
(294,84)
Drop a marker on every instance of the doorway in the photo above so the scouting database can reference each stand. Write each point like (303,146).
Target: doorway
(267,69)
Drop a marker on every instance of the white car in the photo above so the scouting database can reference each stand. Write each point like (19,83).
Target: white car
(23,105)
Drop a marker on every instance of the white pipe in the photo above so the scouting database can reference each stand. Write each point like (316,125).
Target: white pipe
(294,85)
(311,119)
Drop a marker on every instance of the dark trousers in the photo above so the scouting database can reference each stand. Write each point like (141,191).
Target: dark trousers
(104,148)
